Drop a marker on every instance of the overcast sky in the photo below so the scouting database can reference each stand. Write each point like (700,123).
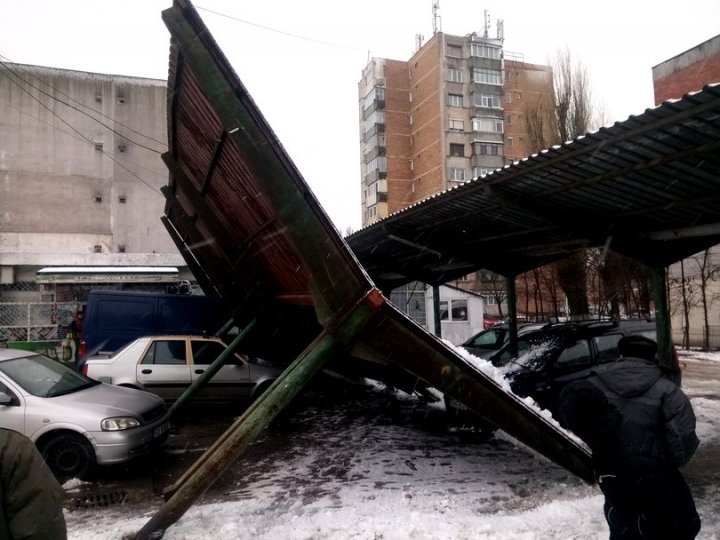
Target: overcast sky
(301,60)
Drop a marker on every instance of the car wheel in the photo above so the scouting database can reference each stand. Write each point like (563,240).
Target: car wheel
(459,416)
(260,390)
(69,456)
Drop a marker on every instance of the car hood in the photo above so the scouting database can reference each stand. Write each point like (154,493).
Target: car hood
(111,400)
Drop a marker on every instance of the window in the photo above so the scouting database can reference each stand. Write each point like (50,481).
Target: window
(484,51)
(488,149)
(205,352)
(453,310)
(98,146)
(454,75)
(378,164)
(170,352)
(455,51)
(490,301)
(487,100)
(508,118)
(508,74)
(455,100)
(456,174)
(607,347)
(457,150)
(488,124)
(577,354)
(487,76)
(121,248)
(97,248)
(456,125)
(122,199)
(481,171)
(508,97)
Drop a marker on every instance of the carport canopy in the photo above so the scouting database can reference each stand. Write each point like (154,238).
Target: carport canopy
(647,187)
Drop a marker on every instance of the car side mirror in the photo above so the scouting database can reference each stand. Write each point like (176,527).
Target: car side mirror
(6,399)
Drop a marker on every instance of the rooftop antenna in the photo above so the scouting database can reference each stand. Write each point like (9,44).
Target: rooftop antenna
(501,30)
(437,22)
(487,24)
(419,41)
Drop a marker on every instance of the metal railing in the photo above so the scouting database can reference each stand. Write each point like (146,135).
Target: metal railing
(35,321)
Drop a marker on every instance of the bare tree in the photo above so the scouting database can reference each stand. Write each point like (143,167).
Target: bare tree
(494,286)
(707,271)
(573,117)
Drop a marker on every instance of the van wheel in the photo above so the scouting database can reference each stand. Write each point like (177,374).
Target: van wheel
(69,456)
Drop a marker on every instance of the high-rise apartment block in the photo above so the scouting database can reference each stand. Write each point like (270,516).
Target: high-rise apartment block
(456,110)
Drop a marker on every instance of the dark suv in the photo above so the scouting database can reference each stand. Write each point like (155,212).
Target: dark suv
(548,357)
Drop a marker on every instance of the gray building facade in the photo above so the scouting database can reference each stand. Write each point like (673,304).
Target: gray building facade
(80,176)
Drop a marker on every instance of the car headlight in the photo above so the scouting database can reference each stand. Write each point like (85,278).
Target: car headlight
(119,423)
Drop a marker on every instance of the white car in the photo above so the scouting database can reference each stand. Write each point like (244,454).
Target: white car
(74,421)
(167,365)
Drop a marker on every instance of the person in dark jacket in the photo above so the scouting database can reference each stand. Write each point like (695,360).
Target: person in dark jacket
(30,495)
(640,427)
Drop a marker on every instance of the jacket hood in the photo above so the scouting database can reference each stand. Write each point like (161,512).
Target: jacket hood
(629,377)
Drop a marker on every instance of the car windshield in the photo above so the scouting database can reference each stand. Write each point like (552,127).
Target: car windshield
(531,352)
(44,377)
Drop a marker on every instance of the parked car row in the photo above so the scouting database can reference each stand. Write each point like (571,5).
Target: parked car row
(115,410)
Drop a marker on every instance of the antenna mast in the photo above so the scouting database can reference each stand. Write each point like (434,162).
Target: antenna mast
(437,22)
(486,32)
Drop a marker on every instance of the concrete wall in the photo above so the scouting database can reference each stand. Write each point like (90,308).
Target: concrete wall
(80,168)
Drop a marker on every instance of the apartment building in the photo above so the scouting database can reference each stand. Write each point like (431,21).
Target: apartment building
(456,110)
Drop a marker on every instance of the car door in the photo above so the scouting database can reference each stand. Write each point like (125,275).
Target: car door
(231,383)
(164,368)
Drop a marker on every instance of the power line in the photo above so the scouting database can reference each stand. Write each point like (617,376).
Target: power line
(74,136)
(5,65)
(83,136)
(289,34)
(100,113)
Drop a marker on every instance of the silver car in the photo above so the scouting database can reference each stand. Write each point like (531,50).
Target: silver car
(167,365)
(76,422)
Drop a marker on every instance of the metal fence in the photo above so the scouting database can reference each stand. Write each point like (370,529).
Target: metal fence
(697,335)
(35,321)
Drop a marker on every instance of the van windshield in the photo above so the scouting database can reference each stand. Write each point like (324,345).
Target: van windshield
(44,377)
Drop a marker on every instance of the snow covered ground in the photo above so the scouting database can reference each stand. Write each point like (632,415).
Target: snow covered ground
(374,468)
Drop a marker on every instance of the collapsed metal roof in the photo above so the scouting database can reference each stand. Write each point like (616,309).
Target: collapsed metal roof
(252,231)
(648,187)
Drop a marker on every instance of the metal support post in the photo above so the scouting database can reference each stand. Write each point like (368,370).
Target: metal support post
(512,313)
(662,318)
(436,311)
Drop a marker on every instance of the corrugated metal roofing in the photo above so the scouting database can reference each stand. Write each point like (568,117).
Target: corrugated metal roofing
(648,187)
